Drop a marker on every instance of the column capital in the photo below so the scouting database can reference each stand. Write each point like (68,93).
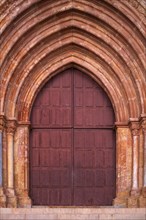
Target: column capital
(143,122)
(134,126)
(2,122)
(11,126)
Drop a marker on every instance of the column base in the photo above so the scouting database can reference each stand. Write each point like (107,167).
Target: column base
(142,202)
(11,202)
(2,198)
(11,198)
(121,199)
(23,199)
(133,200)
(142,198)
(24,202)
(120,202)
(144,192)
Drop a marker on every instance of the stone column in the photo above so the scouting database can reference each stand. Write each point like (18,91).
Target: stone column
(135,191)
(142,200)
(11,197)
(22,164)
(2,195)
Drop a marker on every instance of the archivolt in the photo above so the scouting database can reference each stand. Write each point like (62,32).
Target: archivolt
(71,57)
(48,35)
(97,53)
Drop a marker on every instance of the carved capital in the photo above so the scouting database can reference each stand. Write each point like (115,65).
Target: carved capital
(11,126)
(134,126)
(135,132)
(2,122)
(143,123)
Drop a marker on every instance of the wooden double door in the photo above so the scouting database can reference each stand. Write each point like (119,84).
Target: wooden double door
(72,143)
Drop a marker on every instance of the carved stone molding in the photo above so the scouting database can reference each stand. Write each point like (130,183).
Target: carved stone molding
(123,124)
(135,131)
(139,5)
(24,123)
(2,122)
(134,126)
(143,123)
(11,126)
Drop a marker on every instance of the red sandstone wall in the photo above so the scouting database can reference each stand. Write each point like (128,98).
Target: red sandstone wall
(105,39)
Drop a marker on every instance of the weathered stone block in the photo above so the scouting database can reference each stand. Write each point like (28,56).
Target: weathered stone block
(132,202)
(142,202)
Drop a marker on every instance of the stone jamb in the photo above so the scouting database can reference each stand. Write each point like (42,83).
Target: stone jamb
(121,194)
(23,143)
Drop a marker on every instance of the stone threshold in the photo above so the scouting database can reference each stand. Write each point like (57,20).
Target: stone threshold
(72,213)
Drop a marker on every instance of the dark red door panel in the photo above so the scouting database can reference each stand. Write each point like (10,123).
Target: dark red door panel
(92,107)
(51,166)
(72,143)
(53,105)
(94,165)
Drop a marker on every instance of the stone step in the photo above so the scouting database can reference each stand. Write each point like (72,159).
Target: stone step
(73,213)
